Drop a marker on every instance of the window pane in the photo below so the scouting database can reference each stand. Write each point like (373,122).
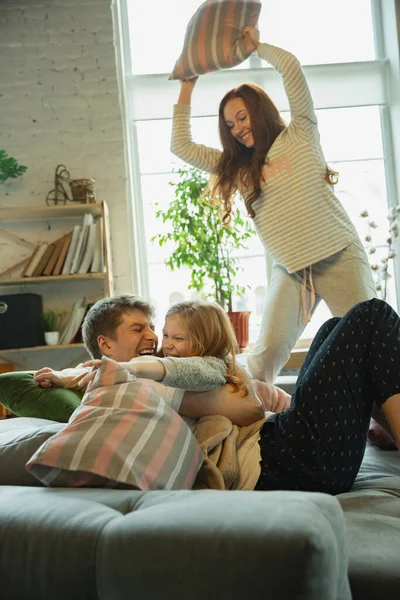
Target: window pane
(158,133)
(318,31)
(156,39)
(350,133)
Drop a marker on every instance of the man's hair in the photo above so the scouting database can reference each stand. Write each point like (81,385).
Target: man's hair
(105,316)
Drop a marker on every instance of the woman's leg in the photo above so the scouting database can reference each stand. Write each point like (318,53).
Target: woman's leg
(318,443)
(281,325)
(344,279)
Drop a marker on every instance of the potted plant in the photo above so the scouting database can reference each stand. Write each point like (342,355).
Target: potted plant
(51,320)
(206,246)
(9,167)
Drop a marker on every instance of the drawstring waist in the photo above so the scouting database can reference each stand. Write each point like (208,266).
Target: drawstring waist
(307,313)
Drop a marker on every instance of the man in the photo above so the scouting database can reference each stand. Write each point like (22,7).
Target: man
(121,327)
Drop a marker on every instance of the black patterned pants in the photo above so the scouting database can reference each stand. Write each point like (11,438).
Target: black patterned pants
(318,443)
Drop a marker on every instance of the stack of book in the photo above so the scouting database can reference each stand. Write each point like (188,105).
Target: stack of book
(79,251)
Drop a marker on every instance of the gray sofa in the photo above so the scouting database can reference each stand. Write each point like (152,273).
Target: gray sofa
(81,544)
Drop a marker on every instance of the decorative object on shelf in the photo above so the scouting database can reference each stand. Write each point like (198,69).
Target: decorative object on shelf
(203,243)
(381,270)
(51,321)
(82,190)
(9,167)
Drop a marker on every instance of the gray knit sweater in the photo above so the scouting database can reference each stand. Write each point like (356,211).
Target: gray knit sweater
(194,374)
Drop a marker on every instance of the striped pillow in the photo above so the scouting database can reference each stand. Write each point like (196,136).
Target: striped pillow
(214,38)
(122,435)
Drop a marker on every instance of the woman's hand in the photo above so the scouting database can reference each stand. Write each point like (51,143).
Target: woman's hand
(252,35)
(187,87)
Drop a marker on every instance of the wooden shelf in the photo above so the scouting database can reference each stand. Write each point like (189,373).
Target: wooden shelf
(41,348)
(50,278)
(34,213)
(49,217)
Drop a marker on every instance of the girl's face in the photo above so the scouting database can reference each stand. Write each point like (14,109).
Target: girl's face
(237,120)
(175,339)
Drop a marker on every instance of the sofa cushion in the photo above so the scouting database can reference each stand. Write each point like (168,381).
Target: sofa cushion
(119,544)
(214,39)
(122,434)
(23,397)
(19,439)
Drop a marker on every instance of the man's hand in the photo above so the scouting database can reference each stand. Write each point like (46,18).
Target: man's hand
(47,377)
(67,378)
(91,366)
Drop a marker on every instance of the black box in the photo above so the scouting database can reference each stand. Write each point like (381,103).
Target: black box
(21,321)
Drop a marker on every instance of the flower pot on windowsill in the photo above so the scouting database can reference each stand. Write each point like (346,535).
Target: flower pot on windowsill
(51,337)
(240,324)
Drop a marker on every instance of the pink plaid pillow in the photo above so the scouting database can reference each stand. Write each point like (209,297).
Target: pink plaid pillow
(214,38)
(122,435)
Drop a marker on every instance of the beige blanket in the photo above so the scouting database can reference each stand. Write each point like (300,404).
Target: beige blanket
(231,454)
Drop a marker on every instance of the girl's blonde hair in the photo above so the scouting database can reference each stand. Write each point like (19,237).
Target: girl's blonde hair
(240,167)
(210,334)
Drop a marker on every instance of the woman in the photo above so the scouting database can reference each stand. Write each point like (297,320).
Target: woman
(283,177)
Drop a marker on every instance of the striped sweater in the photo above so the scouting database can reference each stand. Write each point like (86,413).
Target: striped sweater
(298,217)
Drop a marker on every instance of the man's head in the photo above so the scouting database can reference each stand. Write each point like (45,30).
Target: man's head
(120,327)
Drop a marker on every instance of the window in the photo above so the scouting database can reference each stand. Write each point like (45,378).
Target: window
(349,53)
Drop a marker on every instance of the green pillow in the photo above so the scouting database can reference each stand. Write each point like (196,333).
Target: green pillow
(23,397)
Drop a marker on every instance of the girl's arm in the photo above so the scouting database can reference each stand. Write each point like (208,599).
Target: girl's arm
(182,145)
(195,374)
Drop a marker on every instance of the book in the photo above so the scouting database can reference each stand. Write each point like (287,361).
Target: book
(78,338)
(63,253)
(36,256)
(98,257)
(74,321)
(43,261)
(87,220)
(71,250)
(88,253)
(53,258)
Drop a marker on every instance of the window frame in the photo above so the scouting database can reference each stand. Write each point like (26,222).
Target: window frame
(332,86)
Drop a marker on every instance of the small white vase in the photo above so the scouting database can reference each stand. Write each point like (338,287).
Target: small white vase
(51,337)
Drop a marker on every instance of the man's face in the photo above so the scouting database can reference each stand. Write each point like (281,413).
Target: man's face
(134,337)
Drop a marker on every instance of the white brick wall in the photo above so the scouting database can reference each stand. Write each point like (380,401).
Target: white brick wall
(59,103)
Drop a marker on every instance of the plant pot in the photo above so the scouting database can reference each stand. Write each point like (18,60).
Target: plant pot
(51,337)
(240,324)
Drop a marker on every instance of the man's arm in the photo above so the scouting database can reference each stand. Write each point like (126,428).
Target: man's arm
(67,378)
(240,409)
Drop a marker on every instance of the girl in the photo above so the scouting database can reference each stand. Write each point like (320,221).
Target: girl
(318,443)
(282,175)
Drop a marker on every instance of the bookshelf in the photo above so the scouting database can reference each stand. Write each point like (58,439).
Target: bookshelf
(44,224)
